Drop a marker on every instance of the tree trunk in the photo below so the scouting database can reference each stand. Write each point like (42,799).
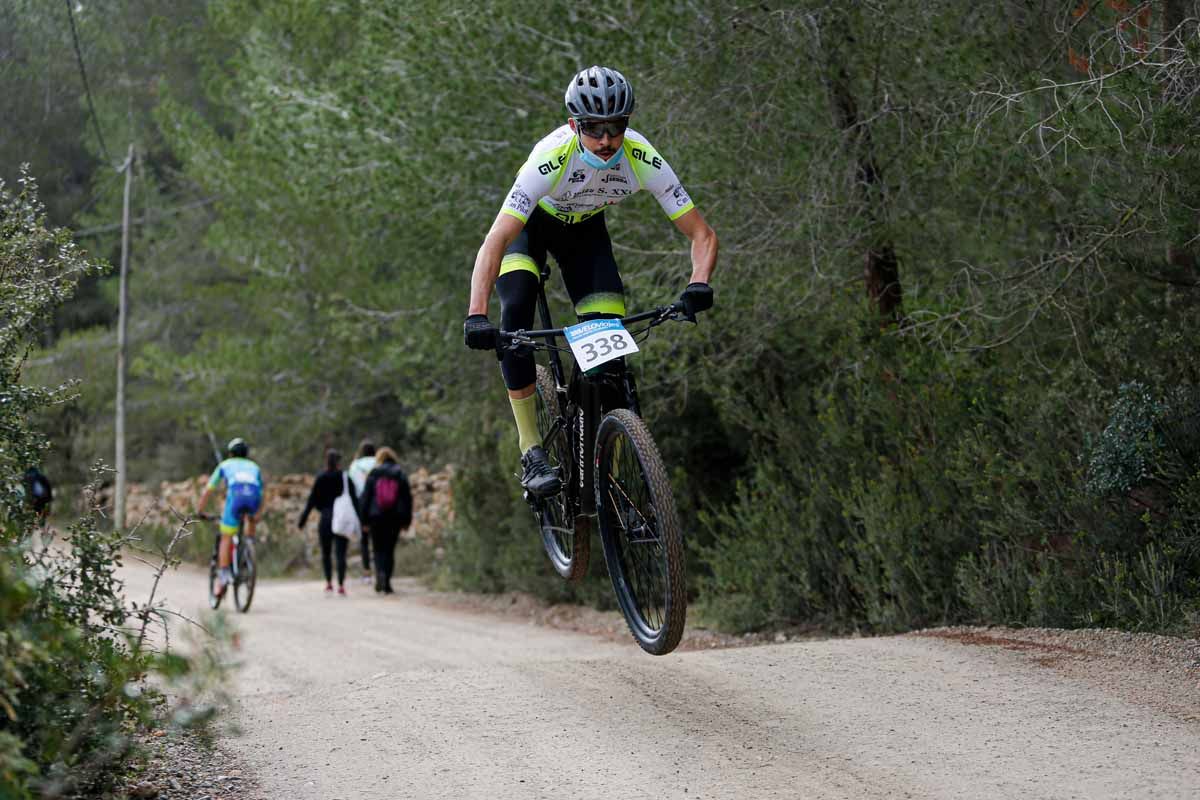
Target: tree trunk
(1174,13)
(1176,33)
(881,268)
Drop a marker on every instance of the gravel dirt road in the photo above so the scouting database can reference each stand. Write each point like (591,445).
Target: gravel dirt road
(409,697)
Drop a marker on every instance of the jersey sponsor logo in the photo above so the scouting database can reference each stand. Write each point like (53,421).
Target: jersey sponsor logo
(578,176)
(520,201)
(680,194)
(614,178)
(550,166)
(600,190)
(565,213)
(643,157)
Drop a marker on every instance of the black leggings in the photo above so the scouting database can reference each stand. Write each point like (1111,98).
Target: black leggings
(331,541)
(383,537)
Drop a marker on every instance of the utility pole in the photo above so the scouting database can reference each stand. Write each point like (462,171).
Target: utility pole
(122,324)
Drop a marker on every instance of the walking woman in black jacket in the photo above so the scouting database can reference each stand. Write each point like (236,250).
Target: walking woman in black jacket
(328,487)
(387,503)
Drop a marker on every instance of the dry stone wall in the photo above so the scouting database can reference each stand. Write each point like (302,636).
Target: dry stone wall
(169,503)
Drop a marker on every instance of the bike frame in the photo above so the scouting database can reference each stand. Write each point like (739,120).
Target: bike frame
(581,393)
(236,544)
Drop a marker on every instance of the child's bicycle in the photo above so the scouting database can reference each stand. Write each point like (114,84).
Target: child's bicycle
(242,564)
(610,469)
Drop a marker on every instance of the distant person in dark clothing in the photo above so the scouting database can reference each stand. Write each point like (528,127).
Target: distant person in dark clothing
(38,492)
(387,503)
(358,470)
(328,486)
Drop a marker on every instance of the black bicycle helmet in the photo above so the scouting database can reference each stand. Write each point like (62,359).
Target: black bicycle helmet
(599,93)
(238,448)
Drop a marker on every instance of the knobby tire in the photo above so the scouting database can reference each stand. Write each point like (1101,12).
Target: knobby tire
(565,537)
(214,600)
(639,526)
(246,576)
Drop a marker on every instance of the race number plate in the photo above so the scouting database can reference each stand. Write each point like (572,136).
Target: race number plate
(598,341)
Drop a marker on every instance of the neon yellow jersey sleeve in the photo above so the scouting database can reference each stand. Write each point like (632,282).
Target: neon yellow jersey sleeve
(540,174)
(215,480)
(655,175)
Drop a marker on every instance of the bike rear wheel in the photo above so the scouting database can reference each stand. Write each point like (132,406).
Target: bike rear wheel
(639,526)
(565,537)
(243,581)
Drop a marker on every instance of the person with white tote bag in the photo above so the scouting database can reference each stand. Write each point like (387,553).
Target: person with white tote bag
(334,496)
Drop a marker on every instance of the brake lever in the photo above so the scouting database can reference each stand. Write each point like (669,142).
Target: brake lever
(513,343)
(678,311)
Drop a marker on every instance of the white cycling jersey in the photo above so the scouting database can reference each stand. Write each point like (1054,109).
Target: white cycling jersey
(556,178)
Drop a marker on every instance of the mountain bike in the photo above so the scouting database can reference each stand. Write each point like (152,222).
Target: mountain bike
(245,571)
(611,471)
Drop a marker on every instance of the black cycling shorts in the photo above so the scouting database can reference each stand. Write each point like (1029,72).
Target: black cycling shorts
(584,255)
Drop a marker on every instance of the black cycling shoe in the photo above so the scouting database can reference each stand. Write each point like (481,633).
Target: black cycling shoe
(539,478)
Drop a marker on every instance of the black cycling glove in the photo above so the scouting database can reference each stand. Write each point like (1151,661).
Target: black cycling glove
(479,333)
(697,297)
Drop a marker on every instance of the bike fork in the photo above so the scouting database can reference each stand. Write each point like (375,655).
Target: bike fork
(631,398)
(587,421)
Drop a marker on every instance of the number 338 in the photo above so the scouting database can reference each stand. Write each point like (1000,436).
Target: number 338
(601,347)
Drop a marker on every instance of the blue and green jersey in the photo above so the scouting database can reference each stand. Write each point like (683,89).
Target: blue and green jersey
(243,488)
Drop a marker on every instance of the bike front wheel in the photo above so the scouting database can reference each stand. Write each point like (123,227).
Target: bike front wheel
(243,581)
(565,537)
(639,526)
(214,578)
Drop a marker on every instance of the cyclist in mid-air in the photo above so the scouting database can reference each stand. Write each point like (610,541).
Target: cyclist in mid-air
(556,206)
(243,498)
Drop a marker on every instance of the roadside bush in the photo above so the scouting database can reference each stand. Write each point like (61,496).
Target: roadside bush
(70,674)
(896,485)
(64,666)
(72,659)
(1144,467)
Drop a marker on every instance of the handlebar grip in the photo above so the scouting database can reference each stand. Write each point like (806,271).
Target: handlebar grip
(678,307)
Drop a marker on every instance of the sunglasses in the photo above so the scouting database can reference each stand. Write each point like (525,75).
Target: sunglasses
(597,128)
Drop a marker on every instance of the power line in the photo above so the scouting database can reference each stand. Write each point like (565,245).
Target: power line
(86,88)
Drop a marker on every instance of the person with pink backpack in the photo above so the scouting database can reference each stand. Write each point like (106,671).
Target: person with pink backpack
(387,506)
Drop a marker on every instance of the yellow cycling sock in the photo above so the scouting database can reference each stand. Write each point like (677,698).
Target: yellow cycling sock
(525,413)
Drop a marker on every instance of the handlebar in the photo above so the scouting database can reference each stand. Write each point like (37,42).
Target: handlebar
(512,340)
